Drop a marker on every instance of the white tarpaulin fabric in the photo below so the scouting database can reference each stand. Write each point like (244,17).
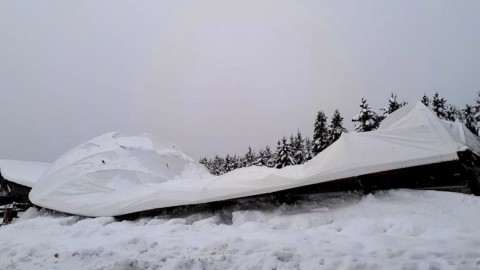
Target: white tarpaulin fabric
(114,175)
(25,173)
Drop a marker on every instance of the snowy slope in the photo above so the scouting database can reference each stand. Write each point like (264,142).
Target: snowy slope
(24,173)
(399,229)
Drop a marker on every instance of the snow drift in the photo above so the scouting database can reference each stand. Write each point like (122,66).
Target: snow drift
(114,175)
(396,229)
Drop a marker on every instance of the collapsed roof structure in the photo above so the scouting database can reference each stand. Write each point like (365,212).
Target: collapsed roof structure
(17,178)
(114,175)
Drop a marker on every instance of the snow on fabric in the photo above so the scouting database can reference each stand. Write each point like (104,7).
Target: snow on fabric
(25,173)
(399,229)
(133,179)
(111,172)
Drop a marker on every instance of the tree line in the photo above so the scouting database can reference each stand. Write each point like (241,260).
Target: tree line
(297,149)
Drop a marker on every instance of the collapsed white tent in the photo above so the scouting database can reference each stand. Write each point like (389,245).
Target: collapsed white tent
(25,173)
(114,175)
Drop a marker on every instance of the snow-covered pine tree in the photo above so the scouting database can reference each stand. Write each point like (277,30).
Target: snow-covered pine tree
(298,148)
(269,157)
(218,166)
(210,165)
(292,146)
(367,119)
(240,162)
(250,157)
(234,162)
(425,100)
(476,116)
(335,128)
(279,147)
(261,160)
(230,163)
(308,150)
(469,118)
(320,133)
(452,113)
(393,105)
(284,154)
(439,106)
(458,114)
(205,162)
(226,164)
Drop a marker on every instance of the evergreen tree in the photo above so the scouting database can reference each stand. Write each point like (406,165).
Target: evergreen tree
(260,158)
(218,166)
(320,133)
(230,163)
(367,119)
(335,129)
(452,113)
(205,162)
(210,165)
(250,157)
(269,157)
(439,106)
(263,157)
(291,142)
(393,105)
(458,114)
(426,101)
(308,150)
(240,162)
(298,147)
(476,117)
(469,118)
(476,107)
(284,155)
(234,162)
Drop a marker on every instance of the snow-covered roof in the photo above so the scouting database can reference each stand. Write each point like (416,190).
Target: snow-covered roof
(114,175)
(24,173)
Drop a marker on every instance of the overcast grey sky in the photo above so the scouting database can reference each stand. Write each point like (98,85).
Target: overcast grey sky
(217,76)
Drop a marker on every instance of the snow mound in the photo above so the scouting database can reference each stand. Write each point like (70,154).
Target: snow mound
(25,173)
(398,229)
(110,171)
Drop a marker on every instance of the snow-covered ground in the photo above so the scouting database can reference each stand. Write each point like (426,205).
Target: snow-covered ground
(400,229)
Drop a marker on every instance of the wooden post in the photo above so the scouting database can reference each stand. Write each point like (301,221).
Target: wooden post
(6,215)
